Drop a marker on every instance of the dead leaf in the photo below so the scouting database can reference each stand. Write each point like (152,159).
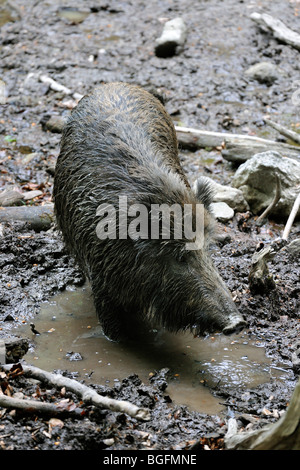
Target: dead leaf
(55,422)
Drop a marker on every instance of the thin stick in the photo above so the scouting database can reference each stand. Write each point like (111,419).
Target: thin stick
(291,218)
(87,395)
(221,137)
(214,139)
(276,198)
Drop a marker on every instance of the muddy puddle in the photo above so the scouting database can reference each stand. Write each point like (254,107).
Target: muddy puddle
(70,337)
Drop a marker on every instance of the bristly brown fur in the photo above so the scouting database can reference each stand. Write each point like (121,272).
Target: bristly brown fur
(119,140)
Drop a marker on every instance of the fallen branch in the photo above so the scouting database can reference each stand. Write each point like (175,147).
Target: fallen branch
(291,218)
(39,407)
(278,28)
(283,435)
(294,247)
(38,217)
(87,395)
(235,147)
(277,196)
(211,138)
(284,131)
(54,85)
(239,152)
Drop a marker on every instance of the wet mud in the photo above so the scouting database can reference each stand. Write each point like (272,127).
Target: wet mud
(192,386)
(66,332)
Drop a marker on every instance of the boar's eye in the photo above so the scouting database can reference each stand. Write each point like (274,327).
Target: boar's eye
(185,256)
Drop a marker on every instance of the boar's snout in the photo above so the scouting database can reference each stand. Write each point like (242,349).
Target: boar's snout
(217,311)
(235,325)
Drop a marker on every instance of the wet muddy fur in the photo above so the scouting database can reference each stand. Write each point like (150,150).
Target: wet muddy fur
(119,140)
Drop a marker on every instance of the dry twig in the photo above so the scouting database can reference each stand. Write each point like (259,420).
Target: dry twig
(54,85)
(235,147)
(291,218)
(284,131)
(275,200)
(39,407)
(87,395)
(278,28)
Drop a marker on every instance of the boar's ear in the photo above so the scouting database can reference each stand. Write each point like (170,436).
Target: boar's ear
(204,191)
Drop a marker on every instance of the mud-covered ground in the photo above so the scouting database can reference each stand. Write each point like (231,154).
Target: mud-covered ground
(204,87)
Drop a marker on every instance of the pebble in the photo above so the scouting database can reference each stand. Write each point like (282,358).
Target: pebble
(222,211)
(55,124)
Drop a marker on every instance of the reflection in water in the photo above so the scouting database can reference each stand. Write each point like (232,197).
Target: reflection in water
(69,330)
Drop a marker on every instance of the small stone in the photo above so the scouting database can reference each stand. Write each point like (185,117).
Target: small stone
(108,442)
(74,356)
(32,194)
(55,124)
(294,247)
(222,211)
(263,72)
(72,14)
(9,318)
(256,178)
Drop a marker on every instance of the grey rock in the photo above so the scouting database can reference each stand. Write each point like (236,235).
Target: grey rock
(294,247)
(55,124)
(256,178)
(172,40)
(222,211)
(263,72)
(10,197)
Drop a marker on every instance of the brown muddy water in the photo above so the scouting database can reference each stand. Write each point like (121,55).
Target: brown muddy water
(70,337)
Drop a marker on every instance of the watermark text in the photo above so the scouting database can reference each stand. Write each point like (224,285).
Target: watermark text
(159,222)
